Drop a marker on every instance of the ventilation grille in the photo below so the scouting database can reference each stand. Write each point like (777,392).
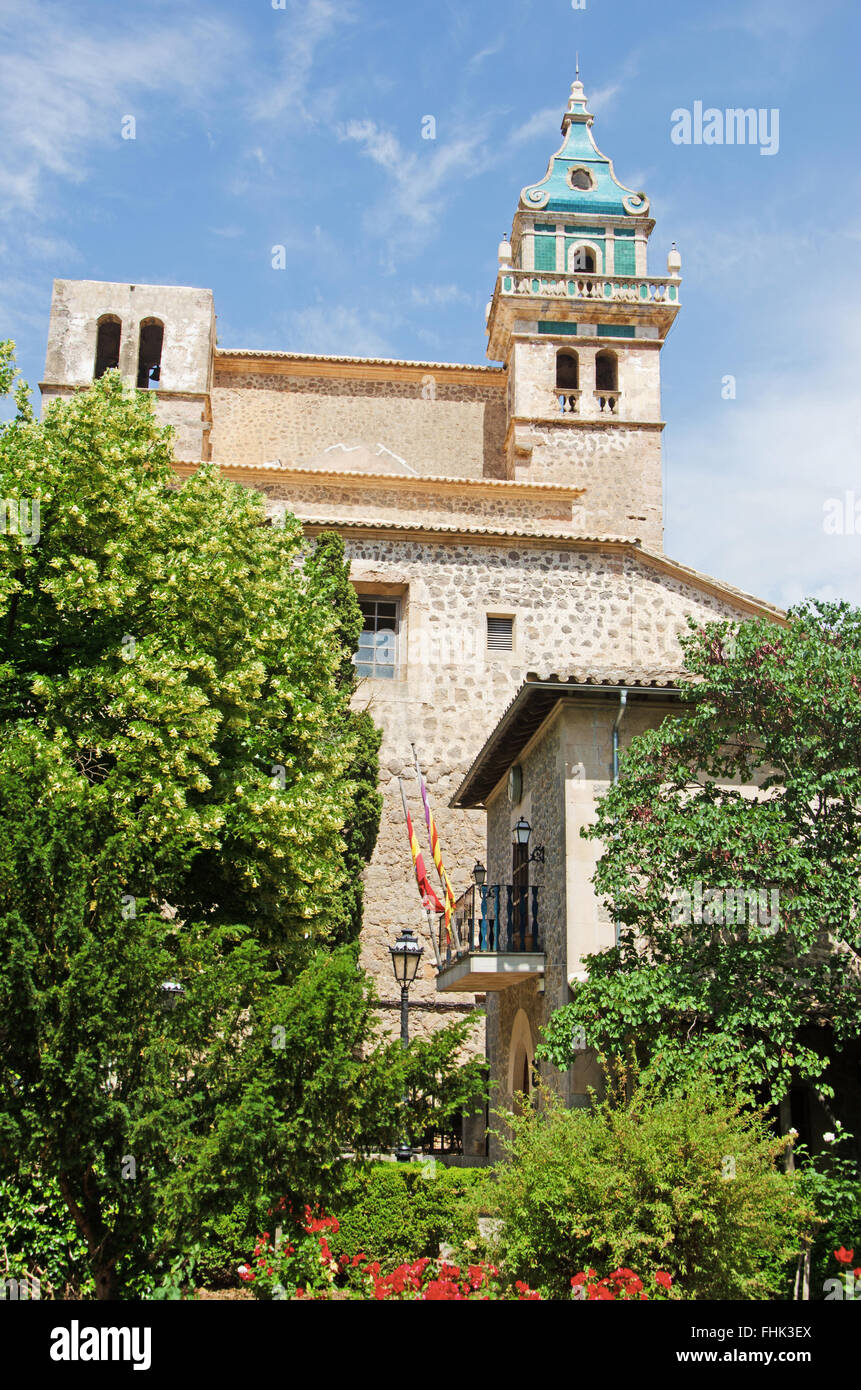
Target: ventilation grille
(500,634)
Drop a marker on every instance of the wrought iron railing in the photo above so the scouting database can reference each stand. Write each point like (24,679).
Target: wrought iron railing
(498,917)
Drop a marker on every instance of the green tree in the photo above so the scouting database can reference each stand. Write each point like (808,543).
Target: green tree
(176,776)
(738,915)
(330,573)
(683,1182)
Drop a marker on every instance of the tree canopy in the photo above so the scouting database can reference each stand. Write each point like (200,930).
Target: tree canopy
(186,800)
(737,912)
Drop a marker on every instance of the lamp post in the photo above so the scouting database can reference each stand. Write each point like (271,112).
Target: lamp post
(406,958)
(522,832)
(170,994)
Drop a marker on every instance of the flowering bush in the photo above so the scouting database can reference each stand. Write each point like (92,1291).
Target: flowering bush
(437,1281)
(302,1265)
(298,1264)
(621,1284)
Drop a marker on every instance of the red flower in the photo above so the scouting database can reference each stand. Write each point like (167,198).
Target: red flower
(665,1280)
(844,1256)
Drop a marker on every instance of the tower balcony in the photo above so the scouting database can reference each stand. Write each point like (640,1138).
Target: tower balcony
(498,929)
(577,297)
(601,289)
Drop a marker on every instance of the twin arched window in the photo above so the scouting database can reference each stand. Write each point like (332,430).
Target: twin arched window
(568,371)
(150,343)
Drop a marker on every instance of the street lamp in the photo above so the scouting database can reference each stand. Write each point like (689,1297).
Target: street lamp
(522,832)
(479,874)
(170,994)
(406,958)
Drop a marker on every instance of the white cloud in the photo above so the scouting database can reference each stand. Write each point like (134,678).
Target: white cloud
(748,479)
(419,181)
(66,90)
(427,295)
(489,52)
(339,331)
(544,123)
(307,26)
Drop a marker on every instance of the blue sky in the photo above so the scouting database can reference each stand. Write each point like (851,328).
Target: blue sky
(302,127)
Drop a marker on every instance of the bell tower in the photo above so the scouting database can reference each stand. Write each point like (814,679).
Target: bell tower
(579,324)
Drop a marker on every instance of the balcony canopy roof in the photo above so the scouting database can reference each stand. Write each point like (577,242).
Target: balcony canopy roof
(534,701)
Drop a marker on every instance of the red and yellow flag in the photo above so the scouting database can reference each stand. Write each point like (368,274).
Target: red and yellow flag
(426,892)
(437,854)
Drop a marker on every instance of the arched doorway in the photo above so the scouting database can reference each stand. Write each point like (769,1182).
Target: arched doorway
(521,1053)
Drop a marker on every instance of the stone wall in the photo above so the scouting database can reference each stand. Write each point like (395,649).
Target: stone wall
(527,509)
(619,468)
(260,416)
(573,607)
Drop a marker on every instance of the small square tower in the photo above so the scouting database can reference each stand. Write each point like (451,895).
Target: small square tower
(160,337)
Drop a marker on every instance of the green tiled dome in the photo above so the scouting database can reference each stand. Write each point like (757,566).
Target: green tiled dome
(579,178)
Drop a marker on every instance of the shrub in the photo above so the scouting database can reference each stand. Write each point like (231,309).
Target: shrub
(397,1212)
(832,1183)
(39,1240)
(683,1182)
(224,1242)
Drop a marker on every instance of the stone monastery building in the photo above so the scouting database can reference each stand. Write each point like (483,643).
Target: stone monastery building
(503,523)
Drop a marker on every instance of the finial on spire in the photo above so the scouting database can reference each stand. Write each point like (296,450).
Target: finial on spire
(577,69)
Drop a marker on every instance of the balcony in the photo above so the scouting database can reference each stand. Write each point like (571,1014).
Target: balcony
(498,930)
(605,289)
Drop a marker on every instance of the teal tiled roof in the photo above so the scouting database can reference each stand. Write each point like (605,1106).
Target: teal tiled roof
(578,151)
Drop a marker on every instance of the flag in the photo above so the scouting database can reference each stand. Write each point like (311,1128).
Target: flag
(436,853)
(426,892)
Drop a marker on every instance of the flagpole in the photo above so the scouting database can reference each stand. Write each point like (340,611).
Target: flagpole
(436,853)
(428,911)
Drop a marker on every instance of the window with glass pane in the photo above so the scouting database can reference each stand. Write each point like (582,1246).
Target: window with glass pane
(378,644)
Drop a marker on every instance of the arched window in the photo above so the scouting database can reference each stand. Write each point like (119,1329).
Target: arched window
(581,258)
(149,352)
(606,372)
(567,373)
(107,345)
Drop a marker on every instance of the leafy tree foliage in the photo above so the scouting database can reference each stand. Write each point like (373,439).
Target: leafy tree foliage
(179,801)
(738,915)
(683,1182)
(330,575)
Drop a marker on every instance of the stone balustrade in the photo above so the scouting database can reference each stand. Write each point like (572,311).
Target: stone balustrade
(612,289)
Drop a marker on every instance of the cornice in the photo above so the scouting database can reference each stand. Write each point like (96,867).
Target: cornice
(401,482)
